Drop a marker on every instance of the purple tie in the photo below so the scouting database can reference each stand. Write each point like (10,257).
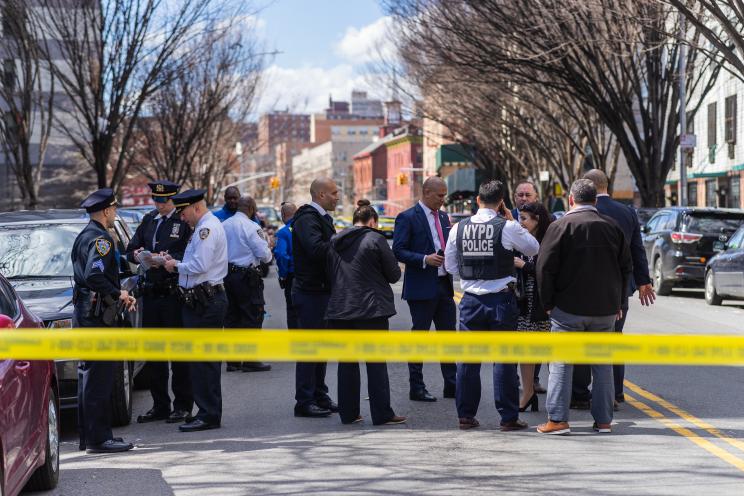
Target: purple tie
(439,228)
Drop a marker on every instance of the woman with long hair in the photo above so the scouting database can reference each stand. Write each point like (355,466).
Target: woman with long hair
(361,268)
(532,316)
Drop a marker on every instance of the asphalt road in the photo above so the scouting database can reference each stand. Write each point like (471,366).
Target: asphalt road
(682,432)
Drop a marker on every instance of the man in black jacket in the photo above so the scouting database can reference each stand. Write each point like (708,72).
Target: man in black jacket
(582,275)
(311,235)
(627,220)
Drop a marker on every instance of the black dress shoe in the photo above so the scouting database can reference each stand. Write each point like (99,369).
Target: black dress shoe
(110,446)
(233,366)
(312,410)
(179,416)
(152,416)
(422,395)
(197,425)
(81,446)
(328,405)
(255,367)
(449,392)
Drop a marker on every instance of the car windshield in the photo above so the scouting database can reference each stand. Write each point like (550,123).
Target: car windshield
(713,224)
(268,213)
(645,214)
(41,250)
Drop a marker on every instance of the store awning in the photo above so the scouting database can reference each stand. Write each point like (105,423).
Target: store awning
(455,155)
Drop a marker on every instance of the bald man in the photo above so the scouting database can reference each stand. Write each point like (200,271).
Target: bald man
(419,240)
(284,260)
(312,230)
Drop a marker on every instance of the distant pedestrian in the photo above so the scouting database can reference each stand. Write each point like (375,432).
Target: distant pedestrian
(532,317)
(481,251)
(312,230)
(419,241)
(285,261)
(582,276)
(232,195)
(362,266)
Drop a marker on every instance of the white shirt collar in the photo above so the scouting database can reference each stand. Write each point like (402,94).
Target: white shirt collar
(322,211)
(165,216)
(602,194)
(581,208)
(426,209)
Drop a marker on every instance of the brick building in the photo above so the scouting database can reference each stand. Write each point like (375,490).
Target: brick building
(281,127)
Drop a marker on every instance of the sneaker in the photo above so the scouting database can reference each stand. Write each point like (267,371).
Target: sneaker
(555,428)
(602,428)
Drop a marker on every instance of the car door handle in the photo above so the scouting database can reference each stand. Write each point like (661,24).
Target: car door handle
(22,365)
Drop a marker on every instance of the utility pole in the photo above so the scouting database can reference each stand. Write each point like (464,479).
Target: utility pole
(682,80)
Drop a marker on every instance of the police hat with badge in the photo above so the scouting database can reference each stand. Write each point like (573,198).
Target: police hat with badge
(188,198)
(99,200)
(163,190)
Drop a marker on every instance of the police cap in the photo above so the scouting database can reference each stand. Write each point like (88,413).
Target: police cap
(188,197)
(98,200)
(163,190)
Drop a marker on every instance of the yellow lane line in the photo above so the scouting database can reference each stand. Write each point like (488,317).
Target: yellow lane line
(687,433)
(684,415)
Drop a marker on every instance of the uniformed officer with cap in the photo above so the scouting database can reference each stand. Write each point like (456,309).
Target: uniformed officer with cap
(200,277)
(480,250)
(162,231)
(99,301)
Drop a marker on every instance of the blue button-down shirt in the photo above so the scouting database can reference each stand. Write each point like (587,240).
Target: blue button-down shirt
(283,250)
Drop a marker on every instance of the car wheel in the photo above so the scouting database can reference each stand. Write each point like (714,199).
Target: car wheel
(121,395)
(661,285)
(47,476)
(711,296)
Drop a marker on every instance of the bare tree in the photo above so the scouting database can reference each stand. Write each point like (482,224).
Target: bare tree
(112,55)
(27,102)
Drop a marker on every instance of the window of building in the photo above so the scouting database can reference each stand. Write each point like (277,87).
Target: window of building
(734,197)
(730,125)
(351,132)
(710,193)
(712,135)
(9,74)
(692,193)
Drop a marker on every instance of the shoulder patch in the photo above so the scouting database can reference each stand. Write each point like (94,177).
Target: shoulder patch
(203,233)
(103,246)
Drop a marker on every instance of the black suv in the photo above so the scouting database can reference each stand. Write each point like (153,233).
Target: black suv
(35,249)
(679,241)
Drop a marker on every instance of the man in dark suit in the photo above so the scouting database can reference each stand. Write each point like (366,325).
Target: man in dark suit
(627,220)
(419,240)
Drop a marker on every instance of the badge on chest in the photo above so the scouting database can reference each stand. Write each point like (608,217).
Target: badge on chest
(175,231)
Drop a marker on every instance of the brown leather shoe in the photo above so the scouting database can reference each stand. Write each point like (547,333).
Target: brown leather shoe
(396,420)
(555,428)
(514,425)
(468,423)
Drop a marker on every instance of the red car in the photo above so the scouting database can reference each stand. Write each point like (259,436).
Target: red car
(29,411)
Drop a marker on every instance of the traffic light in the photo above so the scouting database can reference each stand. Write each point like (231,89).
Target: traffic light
(401,179)
(274,182)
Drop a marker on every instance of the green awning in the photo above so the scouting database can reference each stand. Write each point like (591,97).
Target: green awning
(708,174)
(456,155)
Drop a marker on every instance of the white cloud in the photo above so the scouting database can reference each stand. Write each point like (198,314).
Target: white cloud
(367,44)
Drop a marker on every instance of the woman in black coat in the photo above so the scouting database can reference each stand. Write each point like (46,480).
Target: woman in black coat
(361,267)
(532,317)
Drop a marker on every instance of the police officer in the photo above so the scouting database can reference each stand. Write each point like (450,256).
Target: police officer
(480,249)
(99,301)
(162,231)
(247,248)
(200,277)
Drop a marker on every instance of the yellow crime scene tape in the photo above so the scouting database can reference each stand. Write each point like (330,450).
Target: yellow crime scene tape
(354,345)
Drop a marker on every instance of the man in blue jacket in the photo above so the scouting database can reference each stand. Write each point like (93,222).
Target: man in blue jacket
(419,240)
(232,195)
(284,260)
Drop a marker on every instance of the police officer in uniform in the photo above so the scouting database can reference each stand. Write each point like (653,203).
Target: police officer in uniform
(99,302)
(480,250)
(247,249)
(200,277)
(162,231)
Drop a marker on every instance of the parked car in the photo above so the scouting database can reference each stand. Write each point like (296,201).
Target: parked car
(679,242)
(724,274)
(386,225)
(644,214)
(29,410)
(341,223)
(35,249)
(454,218)
(269,215)
(134,215)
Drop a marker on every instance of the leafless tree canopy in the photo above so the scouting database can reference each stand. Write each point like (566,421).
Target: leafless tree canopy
(592,64)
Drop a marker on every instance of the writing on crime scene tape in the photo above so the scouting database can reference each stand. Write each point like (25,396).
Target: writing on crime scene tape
(282,345)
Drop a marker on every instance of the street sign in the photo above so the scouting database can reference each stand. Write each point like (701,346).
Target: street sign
(544,176)
(687,141)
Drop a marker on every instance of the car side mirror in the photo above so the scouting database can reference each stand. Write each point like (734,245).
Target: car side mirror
(719,246)
(6,322)
(645,229)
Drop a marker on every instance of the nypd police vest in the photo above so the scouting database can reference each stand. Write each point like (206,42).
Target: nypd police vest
(480,253)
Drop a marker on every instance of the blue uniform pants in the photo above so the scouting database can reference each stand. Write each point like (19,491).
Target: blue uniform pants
(489,312)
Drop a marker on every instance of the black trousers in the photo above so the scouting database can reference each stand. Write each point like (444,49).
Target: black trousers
(291,312)
(165,311)
(95,383)
(443,313)
(206,376)
(310,386)
(245,304)
(582,374)
(349,379)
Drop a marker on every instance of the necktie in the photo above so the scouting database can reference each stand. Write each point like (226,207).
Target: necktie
(155,236)
(439,228)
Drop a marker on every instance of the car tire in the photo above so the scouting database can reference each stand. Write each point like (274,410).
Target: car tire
(121,395)
(711,295)
(661,285)
(47,476)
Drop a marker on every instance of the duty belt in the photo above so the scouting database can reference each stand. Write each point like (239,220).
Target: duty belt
(199,294)
(238,268)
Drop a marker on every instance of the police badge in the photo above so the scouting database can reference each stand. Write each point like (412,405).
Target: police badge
(103,246)
(175,231)
(203,233)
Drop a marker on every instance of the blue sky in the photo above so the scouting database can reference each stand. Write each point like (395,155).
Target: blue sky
(324,45)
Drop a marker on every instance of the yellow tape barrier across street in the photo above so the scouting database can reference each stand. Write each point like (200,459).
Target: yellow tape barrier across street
(353,345)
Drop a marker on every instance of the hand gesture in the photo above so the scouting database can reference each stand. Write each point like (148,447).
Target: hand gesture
(647,295)
(170,264)
(434,260)
(518,262)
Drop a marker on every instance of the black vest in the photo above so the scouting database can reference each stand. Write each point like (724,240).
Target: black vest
(480,254)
